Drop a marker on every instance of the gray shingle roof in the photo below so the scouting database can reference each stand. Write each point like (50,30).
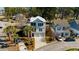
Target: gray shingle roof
(61,22)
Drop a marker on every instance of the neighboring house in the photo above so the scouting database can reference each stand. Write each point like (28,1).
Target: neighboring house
(19,17)
(2,12)
(61,28)
(74,26)
(2,26)
(39,24)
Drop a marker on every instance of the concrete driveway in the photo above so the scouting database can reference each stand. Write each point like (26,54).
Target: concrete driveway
(59,46)
(39,43)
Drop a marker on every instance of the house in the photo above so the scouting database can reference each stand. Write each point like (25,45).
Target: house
(2,11)
(39,24)
(74,26)
(19,17)
(2,26)
(61,28)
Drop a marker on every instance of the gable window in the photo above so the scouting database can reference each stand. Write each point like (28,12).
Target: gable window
(40,24)
(40,29)
(33,24)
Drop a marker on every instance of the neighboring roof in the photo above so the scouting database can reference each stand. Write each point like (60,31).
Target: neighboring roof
(61,22)
(77,21)
(19,17)
(37,17)
(74,25)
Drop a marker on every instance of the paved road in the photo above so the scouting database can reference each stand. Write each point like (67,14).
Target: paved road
(11,48)
(59,46)
(3,49)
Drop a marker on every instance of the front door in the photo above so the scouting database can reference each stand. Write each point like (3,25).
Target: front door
(62,34)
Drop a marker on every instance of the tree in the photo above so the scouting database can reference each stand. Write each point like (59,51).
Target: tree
(65,12)
(27,30)
(46,12)
(49,34)
(29,42)
(10,11)
(10,31)
(76,12)
(72,34)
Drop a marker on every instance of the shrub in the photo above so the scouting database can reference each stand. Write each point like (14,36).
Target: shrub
(30,43)
(49,39)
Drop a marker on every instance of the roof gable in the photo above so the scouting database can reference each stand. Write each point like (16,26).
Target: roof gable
(37,20)
(32,19)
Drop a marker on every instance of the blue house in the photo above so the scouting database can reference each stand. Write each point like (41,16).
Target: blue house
(74,26)
(61,28)
(39,24)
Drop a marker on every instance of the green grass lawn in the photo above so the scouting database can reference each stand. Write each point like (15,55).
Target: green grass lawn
(73,49)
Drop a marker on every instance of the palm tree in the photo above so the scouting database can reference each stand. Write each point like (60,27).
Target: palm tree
(30,42)
(10,31)
(27,30)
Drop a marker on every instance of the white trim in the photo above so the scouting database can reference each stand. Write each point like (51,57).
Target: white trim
(37,17)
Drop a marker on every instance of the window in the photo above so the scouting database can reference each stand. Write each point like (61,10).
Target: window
(40,29)
(0,27)
(66,34)
(40,24)
(33,24)
(58,28)
(62,34)
(64,28)
(32,34)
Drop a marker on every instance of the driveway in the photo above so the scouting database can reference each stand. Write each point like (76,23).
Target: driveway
(59,46)
(39,43)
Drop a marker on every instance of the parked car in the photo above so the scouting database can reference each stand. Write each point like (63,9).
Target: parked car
(4,46)
(1,43)
(69,39)
(2,40)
